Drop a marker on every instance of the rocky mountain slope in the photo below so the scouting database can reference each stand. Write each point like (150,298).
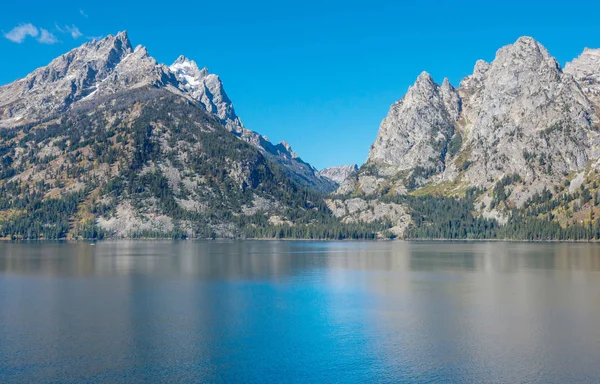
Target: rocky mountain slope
(514,129)
(104,141)
(586,71)
(104,67)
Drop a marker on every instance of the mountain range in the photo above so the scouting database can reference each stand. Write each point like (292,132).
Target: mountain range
(106,142)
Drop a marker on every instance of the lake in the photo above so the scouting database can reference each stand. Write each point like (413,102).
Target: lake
(299,312)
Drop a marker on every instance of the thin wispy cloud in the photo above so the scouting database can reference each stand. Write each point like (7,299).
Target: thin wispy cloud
(21,32)
(74,31)
(71,30)
(47,37)
(82,13)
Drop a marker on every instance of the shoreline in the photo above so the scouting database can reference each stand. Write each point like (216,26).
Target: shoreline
(65,240)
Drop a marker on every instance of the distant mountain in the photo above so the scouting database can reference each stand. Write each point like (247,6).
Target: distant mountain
(338,173)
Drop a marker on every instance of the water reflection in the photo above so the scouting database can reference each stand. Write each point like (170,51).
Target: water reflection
(260,259)
(129,311)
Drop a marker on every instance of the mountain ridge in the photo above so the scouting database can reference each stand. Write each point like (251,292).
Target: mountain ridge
(110,65)
(515,128)
(106,141)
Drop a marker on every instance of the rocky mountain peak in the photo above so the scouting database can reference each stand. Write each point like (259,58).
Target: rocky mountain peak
(473,81)
(586,70)
(286,148)
(65,80)
(101,68)
(286,145)
(424,82)
(586,64)
(520,114)
(525,46)
(183,60)
(188,70)
(451,99)
(417,127)
(339,173)
(514,106)
(481,67)
(525,53)
(119,43)
(123,37)
(208,89)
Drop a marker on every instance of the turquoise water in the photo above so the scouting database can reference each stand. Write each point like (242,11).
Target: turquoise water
(299,312)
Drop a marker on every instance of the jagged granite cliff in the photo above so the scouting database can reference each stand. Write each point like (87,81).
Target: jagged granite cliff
(514,129)
(105,141)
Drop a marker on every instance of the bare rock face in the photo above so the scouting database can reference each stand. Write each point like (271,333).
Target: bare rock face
(518,115)
(418,127)
(97,67)
(208,89)
(338,173)
(586,71)
(526,117)
(357,210)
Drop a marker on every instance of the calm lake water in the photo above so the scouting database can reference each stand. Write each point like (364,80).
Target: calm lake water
(299,312)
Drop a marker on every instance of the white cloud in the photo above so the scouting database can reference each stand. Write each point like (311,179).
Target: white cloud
(19,33)
(74,31)
(82,12)
(47,37)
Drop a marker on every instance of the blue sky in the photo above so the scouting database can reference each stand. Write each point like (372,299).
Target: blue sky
(318,74)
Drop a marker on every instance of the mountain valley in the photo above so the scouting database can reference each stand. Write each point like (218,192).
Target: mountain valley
(107,142)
